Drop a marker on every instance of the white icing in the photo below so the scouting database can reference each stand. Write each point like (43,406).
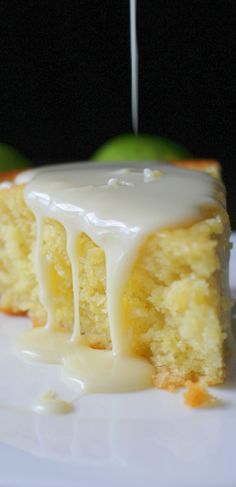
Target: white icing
(151,175)
(6,185)
(117,207)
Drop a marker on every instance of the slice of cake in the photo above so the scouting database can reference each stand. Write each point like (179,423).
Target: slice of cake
(122,269)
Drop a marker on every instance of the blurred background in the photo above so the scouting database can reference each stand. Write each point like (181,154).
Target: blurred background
(65,77)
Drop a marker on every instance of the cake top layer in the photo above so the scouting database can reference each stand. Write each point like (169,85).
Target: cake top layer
(119,198)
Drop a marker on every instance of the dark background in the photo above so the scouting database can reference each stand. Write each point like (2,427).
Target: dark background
(65,77)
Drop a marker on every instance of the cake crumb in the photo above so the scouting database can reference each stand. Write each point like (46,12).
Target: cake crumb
(197,396)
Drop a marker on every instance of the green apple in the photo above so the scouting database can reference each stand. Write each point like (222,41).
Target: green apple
(143,147)
(11,159)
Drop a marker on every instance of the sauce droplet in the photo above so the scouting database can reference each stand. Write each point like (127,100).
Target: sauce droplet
(50,403)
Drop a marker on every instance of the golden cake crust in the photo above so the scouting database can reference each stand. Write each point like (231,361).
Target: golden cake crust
(9,175)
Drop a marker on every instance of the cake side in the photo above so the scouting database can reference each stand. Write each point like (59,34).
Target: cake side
(210,166)
(176,305)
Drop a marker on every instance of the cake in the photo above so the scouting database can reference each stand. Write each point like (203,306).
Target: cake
(123,270)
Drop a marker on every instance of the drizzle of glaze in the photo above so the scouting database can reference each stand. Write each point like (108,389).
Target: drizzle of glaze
(134,65)
(117,207)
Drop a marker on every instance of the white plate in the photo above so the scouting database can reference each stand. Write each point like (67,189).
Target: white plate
(120,439)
